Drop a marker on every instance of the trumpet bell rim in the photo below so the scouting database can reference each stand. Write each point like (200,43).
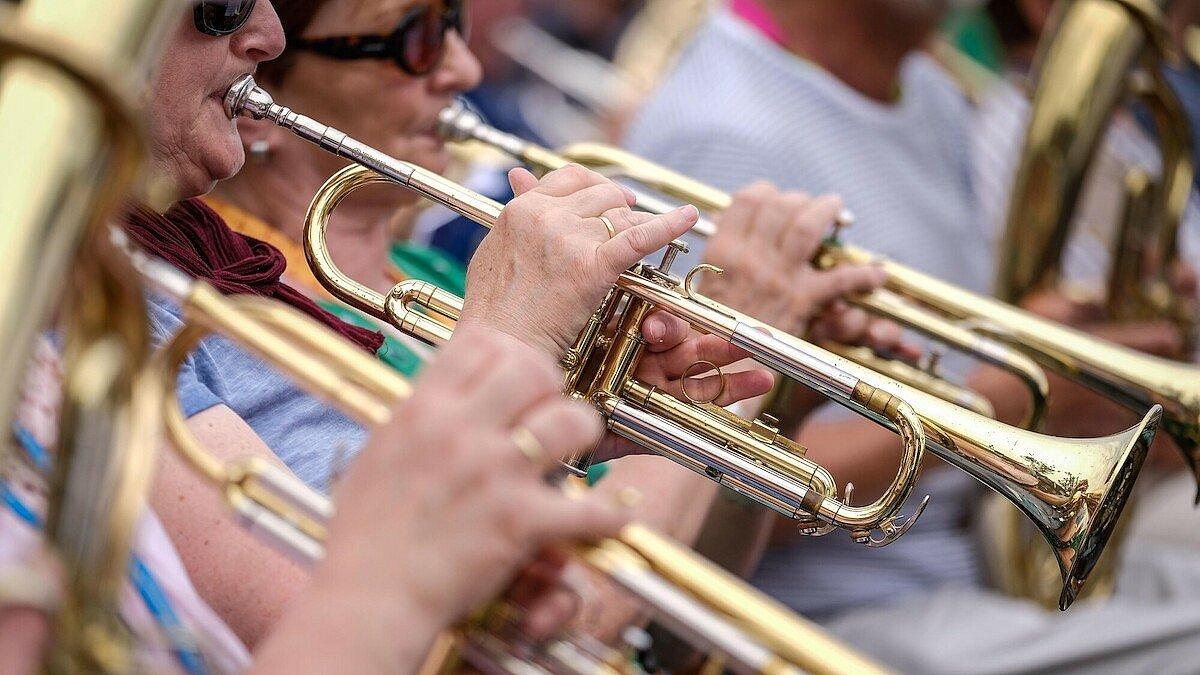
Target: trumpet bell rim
(1117,491)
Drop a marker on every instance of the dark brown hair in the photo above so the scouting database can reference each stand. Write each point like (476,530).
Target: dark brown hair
(296,16)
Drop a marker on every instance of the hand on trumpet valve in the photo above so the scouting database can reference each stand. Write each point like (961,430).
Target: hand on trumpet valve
(551,250)
(763,244)
(672,351)
(476,536)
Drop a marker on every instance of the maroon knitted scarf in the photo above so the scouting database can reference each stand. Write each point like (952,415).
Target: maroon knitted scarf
(195,239)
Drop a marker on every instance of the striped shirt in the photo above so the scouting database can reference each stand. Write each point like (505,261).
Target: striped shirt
(738,108)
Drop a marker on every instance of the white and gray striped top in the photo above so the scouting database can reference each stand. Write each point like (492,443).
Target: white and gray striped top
(738,108)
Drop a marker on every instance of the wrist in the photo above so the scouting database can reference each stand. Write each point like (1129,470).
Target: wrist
(357,629)
(527,340)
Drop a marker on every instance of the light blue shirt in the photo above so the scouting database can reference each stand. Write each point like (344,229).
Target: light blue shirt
(737,108)
(312,438)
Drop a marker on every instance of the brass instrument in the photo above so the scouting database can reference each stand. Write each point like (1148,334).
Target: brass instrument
(1088,59)
(711,608)
(1073,489)
(747,456)
(1084,75)
(1071,107)
(1127,376)
(459,124)
(70,137)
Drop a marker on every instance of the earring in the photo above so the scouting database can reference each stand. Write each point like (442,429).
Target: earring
(260,151)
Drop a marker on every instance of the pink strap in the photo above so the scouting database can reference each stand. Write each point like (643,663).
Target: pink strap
(754,14)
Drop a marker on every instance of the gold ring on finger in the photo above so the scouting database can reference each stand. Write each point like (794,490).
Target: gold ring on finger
(687,374)
(612,231)
(528,445)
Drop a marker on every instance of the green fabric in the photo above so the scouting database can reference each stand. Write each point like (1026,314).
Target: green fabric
(429,264)
(971,30)
(595,472)
(394,353)
(415,262)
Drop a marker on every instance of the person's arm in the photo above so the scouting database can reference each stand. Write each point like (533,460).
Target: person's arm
(440,510)
(247,582)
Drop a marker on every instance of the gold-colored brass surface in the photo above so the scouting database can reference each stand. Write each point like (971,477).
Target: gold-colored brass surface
(707,604)
(71,149)
(1130,377)
(1072,489)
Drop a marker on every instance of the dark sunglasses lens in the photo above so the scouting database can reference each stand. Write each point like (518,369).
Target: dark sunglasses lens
(424,40)
(222,17)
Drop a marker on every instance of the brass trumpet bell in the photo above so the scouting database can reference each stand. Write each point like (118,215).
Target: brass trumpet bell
(1072,489)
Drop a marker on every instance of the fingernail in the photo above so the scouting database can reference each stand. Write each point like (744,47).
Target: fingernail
(627,497)
(690,212)
(653,330)
(630,197)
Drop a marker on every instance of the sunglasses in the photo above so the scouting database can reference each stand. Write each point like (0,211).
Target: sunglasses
(222,17)
(417,45)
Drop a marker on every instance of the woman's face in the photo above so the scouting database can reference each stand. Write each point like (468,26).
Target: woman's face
(192,140)
(374,100)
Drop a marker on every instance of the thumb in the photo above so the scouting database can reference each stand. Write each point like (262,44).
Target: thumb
(521,180)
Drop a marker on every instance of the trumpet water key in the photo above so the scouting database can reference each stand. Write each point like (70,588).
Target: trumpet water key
(1072,489)
(747,456)
(712,609)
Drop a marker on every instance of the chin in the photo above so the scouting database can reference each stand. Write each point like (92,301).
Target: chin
(436,162)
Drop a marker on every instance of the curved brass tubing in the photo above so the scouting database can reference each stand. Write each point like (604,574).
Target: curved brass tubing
(1072,489)
(713,608)
(459,124)
(403,306)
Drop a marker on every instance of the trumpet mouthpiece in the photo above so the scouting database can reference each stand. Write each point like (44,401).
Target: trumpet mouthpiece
(246,98)
(458,123)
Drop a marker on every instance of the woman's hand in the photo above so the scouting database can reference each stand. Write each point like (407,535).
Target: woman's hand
(444,506)
(765,241)
(672,349)
(546,265)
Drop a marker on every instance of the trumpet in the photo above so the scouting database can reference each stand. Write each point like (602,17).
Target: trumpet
(751,457)
(1072,489)
(1127,376)
(459,124)
(69,135)
(713,609)
(1083,76)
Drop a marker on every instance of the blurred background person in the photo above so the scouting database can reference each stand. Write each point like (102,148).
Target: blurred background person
(841,97)
(1129,144)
